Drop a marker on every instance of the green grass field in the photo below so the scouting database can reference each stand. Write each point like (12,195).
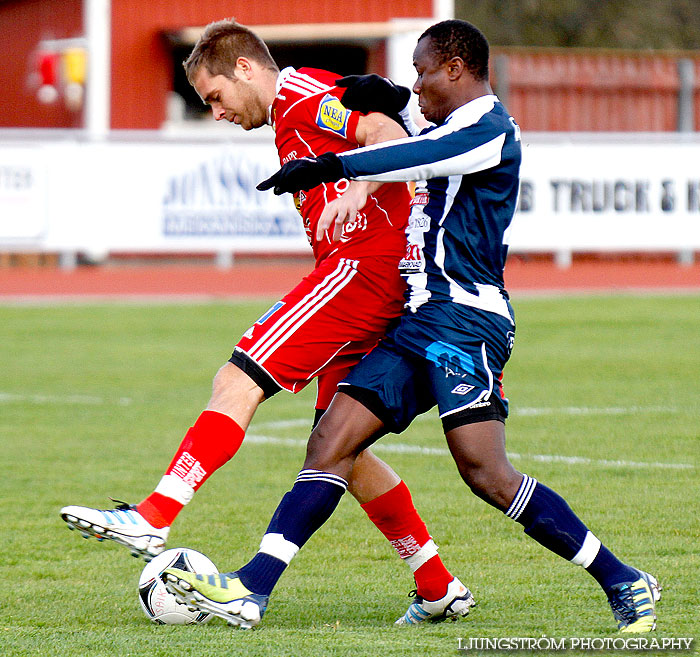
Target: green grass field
(94,400)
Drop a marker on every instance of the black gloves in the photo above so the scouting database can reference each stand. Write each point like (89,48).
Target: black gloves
(373,93)
(304,173)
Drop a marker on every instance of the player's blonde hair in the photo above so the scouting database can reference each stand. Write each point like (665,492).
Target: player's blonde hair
(221,44)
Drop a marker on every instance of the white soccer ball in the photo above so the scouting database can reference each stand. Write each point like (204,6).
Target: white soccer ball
(161,606)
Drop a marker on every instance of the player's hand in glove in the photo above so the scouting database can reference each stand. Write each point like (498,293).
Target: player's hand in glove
(304,173)
(373,93)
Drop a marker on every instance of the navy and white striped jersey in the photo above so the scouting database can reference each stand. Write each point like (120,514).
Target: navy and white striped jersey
(467,179)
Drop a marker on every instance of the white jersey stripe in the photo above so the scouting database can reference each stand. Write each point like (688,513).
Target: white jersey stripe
(307,81)
(312,308)
(301,90)
(296,316)
(294,310)
(311,81)
(280,331)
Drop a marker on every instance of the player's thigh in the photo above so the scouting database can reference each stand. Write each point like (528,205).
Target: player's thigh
(392,383)
(345,429)
(478,449)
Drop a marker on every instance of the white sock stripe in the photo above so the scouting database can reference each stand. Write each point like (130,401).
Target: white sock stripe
(276,545)
(338,482)
(427,552)
(318,475)
(175,488)
(588,552)
(522,497)
(311,473)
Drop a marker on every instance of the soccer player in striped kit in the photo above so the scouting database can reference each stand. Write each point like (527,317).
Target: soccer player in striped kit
(319,330)
(451,344)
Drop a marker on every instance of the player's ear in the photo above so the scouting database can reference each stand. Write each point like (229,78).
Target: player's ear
(455,68)
(244,67)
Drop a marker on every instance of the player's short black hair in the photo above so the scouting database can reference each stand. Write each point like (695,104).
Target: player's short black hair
(456,38)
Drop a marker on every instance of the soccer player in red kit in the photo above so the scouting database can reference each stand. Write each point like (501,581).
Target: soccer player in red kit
(323,327)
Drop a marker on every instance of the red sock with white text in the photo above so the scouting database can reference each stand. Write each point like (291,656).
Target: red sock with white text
(209,444)
(395,516)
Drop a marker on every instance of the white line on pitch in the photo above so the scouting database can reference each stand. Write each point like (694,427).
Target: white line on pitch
(526,411)
(593,410)
(85,400)
(402,448)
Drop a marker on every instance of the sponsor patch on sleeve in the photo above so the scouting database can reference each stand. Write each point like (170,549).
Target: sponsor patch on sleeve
(333,116)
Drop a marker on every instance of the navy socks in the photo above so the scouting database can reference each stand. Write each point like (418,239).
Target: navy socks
(549,520)
(312,500)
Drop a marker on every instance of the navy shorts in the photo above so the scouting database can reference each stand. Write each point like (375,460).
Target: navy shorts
(444,354)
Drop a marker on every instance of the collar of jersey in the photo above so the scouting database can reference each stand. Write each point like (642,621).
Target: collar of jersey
(472,111)
(281,79)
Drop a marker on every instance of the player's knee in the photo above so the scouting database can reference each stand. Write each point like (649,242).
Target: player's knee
(234,392)
(222,377)
(325,453)
(492,485)
(230,376)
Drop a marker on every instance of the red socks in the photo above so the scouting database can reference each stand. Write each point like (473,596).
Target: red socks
(395,516)
(209,444)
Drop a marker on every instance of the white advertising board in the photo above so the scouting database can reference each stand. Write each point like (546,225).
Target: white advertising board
(153,194)
(173,197)
(608,196)
(22,194)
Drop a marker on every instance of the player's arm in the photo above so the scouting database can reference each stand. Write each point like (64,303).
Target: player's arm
(344,208)
(451,149)
(375,128)
(371,129)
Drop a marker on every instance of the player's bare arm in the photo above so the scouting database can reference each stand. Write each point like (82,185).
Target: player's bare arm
(345,208)
(372,128)
(375,127)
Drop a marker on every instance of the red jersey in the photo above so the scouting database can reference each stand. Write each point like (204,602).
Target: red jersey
(309,119)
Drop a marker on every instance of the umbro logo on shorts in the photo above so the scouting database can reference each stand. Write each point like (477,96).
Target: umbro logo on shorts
(462,389)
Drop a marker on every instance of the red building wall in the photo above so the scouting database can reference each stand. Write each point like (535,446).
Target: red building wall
(22,25)
(141,64)
(548,89)
(571,90)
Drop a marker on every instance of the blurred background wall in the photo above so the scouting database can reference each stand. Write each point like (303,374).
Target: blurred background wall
(87,83)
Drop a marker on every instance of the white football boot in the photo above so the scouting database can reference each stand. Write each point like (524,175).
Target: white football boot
(123,525)
(455,603)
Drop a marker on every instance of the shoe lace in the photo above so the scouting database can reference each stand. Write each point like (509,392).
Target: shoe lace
(413,593)
(622,603)
(122,505)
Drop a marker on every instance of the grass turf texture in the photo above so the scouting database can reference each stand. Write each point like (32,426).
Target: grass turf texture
(95,399)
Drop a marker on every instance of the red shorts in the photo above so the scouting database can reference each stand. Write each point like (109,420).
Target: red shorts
(323,327)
